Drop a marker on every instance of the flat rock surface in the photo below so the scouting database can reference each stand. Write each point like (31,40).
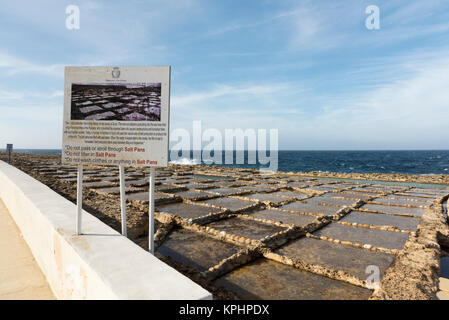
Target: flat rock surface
(20,276)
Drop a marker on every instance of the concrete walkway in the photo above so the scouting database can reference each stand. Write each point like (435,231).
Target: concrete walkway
(20,276)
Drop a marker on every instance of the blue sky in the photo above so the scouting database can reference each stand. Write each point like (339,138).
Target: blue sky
(311,69)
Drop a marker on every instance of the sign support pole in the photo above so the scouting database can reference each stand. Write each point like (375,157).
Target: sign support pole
(151,213)
(79,199)
(122,198)
(9,150)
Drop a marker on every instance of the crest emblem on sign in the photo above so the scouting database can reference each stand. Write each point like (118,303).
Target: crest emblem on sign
(115,72)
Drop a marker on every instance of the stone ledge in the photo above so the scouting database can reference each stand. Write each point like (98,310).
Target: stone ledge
(442,295)
(444,284)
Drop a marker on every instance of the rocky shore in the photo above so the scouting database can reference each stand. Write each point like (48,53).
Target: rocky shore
(415,178)
(245,235)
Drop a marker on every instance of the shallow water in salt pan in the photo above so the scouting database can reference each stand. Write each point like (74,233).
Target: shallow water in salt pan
(246,228)
(230,203)
(284,217)
(401,201)
(376,219)
(394,209)
(314,209)
(378,238)
(336,256)
(265,279)
(186,210)
(195,250)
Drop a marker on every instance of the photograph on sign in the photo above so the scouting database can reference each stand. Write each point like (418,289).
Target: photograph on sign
(116,116)
(125,102)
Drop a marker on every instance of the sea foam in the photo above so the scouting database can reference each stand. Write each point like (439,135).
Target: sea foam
(185,161)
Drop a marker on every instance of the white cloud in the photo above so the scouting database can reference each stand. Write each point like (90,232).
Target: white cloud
(15,65)
(316,26)
(406,112)
(234,105)
(31,119)
(29,97)
(411,112)
(230,90)
(399,101)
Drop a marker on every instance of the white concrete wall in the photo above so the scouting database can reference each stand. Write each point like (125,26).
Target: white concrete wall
(100,264)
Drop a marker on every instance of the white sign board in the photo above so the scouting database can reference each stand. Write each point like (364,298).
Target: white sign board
(116,116)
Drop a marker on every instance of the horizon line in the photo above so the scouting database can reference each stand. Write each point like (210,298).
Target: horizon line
(308,150)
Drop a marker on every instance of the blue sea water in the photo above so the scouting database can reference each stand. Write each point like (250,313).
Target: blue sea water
(408,162)
(36,151)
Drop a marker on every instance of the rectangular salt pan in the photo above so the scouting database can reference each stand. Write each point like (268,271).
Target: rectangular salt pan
(377,238)
(393,209)
(336,256)
(195,250)
(265,279)
(379,219)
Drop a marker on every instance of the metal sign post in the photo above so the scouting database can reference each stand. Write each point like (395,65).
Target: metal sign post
(79,199)
(151,213)
(9,149)
(122,198)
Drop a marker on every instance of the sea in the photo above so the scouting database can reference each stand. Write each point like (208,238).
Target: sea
(422,162)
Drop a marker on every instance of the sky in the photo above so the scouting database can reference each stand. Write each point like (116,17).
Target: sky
(311,69)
